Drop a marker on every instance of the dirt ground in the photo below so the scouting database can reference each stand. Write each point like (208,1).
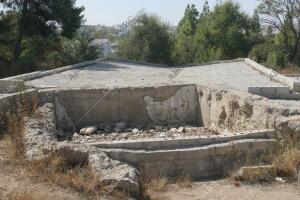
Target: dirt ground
(227,190)
(14,178)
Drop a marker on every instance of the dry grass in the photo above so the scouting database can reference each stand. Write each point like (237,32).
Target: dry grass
(184,181)
(290,69)
(15,130)
(71,171)
(23,195)
(155,184)
(258,175)
(58,170)
(288,164)
(285,159)
(14,122)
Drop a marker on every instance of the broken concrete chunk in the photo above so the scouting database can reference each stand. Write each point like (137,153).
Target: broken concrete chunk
(256,173)
(135,130)
(88,130)
(173,130)
(180,130)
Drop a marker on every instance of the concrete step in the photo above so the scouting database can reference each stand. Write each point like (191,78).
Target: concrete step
(178,143)
(208,161)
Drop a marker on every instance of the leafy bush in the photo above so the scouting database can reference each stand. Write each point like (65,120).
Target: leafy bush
(269,54)
(148,39)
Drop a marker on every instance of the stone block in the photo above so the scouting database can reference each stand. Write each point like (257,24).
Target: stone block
(254,90)
(282,92)
(268,92)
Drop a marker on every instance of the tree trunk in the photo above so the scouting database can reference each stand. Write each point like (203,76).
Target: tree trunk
(295,49)
(18,44)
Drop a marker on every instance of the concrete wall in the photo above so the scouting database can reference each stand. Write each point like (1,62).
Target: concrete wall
(161,105)
(210,161)
(234,111)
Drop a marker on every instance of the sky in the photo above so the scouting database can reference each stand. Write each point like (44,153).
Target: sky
(112,12)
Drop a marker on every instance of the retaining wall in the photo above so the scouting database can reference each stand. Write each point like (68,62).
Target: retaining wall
(161,105)
(210,161)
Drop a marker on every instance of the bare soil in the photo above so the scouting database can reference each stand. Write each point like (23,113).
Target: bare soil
(228,190)
(15,178)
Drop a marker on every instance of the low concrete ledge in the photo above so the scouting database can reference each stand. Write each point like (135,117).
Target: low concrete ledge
(38,74)
(210,161)
(292,83)
(12,86)
(185,142)
(274,92)
(214,62)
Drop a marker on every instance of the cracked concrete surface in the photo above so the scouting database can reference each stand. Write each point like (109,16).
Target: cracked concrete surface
(235,75)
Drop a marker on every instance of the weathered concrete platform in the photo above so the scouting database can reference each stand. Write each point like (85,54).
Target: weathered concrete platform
(236,75)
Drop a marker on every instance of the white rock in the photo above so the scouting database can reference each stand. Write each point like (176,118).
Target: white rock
(163,134)
(180,130)
(279,179)
(135,131)
(75,135)
(173,130)
(152,131)
(88,130)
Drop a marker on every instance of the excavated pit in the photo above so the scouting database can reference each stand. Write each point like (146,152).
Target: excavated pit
(193,130)
(160,130)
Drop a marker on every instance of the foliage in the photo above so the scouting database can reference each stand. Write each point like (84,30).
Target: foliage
(43,18)
(270,54)
(283,16)
(148,39)
(38,35)
(184,51)
(224,34)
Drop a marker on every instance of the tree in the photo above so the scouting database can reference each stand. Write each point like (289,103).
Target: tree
(283,15)
(7,32)
(148,39)
(184,47)
(224,34)
(43,18)
(205,10)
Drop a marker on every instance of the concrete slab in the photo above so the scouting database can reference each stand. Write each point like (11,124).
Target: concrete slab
(235,75)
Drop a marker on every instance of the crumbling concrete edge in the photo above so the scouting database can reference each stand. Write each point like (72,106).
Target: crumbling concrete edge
(293,84)
(39,74)
(214,62)
(160,144)
(41,141)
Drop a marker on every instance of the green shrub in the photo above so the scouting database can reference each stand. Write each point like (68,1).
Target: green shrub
(269,54)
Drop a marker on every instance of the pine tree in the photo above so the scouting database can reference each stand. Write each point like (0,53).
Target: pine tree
(184,52)
(43,17)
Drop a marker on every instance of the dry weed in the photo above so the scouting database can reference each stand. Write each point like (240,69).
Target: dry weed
(21,195)
(72,171)
(58,170)
(288,164)
(258,175)
(15,130)
(184,181)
